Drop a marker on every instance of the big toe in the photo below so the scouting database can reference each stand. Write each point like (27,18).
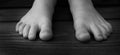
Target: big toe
(82,34)
(46,33)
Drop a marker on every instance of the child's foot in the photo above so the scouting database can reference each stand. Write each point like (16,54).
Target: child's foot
(38,19)
(87,19)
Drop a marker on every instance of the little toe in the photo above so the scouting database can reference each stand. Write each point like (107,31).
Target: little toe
(103,31)
(46,33)
(17,26)
(108,30)
(21,27)
(108,27)
(32,32)
(96,32)
(26,31)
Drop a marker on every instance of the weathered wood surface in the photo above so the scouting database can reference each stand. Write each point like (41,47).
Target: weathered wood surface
(63,43)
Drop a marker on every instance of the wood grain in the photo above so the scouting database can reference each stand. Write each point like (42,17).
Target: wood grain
(63,43)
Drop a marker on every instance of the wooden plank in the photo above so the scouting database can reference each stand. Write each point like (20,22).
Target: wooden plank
(63,43)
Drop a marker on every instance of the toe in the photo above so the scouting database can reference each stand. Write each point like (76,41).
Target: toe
(103,31)
(21,27)
(82,34)
(108,28)
(17,26)
(46,33)
(26,31)
(96,32)
(32,32)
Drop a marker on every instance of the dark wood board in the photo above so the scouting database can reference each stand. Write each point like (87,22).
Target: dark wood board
(63,43)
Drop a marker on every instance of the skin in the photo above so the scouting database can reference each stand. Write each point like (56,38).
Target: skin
(86,19)
(38,19)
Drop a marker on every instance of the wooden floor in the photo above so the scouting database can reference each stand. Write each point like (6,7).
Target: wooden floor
(63,43)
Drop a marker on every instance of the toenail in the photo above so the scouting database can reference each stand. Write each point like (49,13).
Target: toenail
(31,34)
(31,37)
(20,33)
(25,36)
(17,30)
(100,37)
(83,37)
(45,36)
(46,31)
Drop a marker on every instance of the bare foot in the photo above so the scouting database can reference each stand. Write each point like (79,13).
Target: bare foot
(87,19)
(38,19)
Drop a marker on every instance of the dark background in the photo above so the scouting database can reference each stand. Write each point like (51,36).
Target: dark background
(18,8)
(28,3)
